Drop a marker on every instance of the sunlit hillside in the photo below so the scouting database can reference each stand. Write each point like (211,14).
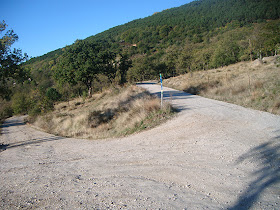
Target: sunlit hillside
(252,84)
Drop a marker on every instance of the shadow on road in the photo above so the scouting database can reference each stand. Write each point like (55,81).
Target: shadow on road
(10,124)
(29,142)
(146,83)
(175,95)
(17,122)
(268,155)
(170,95)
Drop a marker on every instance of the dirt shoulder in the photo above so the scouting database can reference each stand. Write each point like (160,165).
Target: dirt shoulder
(212,155)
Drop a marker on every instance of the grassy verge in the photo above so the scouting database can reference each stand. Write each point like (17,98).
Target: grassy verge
(250,84)
(112,113)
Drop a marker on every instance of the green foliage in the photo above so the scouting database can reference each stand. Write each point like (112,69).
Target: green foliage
(43,106)
(5,110)
(20,103)
(53,95)
(39,103)
(47,56)
(90,64)
(84,95)
(82,62)
(226,53)
(124,64)
(200,35)
(10,60)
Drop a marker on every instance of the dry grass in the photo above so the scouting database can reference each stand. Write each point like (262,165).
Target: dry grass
(112,113)
(250,84)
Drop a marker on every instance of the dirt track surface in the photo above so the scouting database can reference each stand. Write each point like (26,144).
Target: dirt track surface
(212,155)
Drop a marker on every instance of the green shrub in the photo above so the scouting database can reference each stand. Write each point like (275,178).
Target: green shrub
(5,110)
(35,111)
(20,103)
(84,95)
(53,94)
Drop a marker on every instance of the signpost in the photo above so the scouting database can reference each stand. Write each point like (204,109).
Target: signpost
(161,95)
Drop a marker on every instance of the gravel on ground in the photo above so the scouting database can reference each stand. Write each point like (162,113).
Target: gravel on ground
(212,155)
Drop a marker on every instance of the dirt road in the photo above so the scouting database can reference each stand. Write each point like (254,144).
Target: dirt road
(212,155)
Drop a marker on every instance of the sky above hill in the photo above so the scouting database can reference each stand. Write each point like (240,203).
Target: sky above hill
(44,26)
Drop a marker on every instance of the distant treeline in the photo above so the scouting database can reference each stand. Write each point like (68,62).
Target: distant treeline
(200,35)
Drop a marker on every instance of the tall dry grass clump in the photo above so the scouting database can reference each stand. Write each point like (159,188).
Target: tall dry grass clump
(250,84)
(113,113)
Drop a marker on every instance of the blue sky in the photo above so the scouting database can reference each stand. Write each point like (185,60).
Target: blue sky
(46,25)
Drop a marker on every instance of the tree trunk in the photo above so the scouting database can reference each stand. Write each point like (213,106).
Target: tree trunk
(251,57)
(260,55)
(90,92)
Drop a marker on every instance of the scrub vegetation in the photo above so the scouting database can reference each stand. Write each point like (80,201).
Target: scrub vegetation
(114,112)
(253,84)
(191,39)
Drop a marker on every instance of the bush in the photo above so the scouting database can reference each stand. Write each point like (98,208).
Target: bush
(35,111)
(20,103)
(5,110)
(53,94)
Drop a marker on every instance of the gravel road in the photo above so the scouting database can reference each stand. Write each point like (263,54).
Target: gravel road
(212,155)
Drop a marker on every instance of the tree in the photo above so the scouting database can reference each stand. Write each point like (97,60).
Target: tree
(164,31)
(201,35)
(20,103)
(226,52)
(83,62)
(124,64)
(78,63)
(52,94)
(185,58)
(10,60)
(170,59)
(271,33)
(108,64)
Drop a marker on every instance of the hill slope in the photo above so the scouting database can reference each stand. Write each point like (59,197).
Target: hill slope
(250,84)
(195,18)
(197,21)
(201,35)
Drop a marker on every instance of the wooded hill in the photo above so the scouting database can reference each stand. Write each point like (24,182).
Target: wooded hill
(200,35)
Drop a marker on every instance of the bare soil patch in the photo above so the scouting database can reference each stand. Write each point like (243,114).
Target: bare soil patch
(212,155)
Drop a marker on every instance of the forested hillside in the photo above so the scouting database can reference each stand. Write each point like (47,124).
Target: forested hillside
(200,35)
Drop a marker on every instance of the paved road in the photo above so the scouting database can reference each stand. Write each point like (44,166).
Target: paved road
(212,155)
